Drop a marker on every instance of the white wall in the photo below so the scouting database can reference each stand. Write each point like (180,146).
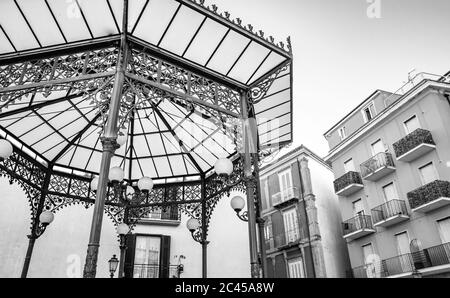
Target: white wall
(330,221)
(61,251)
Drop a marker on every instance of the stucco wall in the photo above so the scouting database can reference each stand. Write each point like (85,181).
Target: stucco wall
(334,247)
(61,251)
(433,112)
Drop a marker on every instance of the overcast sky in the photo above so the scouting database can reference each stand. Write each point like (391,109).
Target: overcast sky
(341,55)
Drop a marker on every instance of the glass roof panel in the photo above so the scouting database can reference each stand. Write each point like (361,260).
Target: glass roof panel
(93,164)
(12,22)
(54,150)
(18,128)
(117,8)
(178,166)
(162,164)
(41,20)
(155,20)
(171,144)
(5,46)
(69,19)
(141,146)
(156,144)
(182,30)
(99,17)
(134,11)
(206,41)
(228,52)
(271,62)
(272,101)
(282,109)
(249,62)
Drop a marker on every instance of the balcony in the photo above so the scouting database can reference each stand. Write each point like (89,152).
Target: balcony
(156,271)
(430,197)
(283,198)
(427,262)
(390,213)
(358,227)
(414,145)
(348,184)
(377,167)
(285,240)
(169,217)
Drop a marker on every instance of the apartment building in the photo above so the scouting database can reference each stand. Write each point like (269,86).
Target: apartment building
(302,218)
(391,161)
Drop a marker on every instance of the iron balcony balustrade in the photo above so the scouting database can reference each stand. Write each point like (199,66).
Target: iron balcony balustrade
(348,184)
(358,227)
(414,145)
(430,197)
(285,197)
(377,167)
(157,271)
(285,240)
(170,217)
(430,261)
(390,213)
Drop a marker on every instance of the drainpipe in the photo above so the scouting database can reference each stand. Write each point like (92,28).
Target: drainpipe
(307,219)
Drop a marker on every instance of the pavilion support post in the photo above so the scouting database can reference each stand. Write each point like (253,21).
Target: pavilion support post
(123,245)
(260,220)
(36,230)
(204,242)
(250,186)
(109,142)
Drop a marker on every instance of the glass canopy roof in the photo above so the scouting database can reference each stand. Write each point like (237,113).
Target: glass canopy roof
(164,138)
(182,28)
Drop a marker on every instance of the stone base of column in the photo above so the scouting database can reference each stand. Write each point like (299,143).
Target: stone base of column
(90,267)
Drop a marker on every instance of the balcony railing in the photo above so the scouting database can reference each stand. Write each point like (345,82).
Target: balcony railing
(414,145)
(377,167)
(390,213)
(406,264)
(430,197)
(348,184)
(358,227)
(155,271)
(285,196)
(280,241)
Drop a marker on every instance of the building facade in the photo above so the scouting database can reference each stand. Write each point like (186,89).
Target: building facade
(391,161)
(302,218)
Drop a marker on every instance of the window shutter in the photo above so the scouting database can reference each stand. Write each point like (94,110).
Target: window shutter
(274,187)
(129,256)
(164,266)
(280,267)
(278,229)
(264,191)
(309,263)
(295,170)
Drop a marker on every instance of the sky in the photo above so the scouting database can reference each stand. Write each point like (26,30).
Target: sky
(346,49)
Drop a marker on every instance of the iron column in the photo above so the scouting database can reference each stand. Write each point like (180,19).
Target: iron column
(250,186)
(109,142)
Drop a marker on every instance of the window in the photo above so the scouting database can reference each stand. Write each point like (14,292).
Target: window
(291,225)
(296,268)
(411,124)
(342,133)
(403,248)
(390,192)
(367,253)
(378,147)
(358,208)
(169,213)
(146,258)
(349,166)
(444,230)
(268,231)
(428,173)
(369,112)
(285,180)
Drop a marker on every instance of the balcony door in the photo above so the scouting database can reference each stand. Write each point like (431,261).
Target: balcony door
(444,230)
(291,227)
(358,212)
(147,254)
(285,178)
(403,250)
(371,262)
(390,192)
(411,125)
(296,268)
(349,166)
(378,147)
(428,173)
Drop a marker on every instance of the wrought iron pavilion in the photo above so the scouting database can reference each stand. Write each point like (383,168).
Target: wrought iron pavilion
(178,81)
